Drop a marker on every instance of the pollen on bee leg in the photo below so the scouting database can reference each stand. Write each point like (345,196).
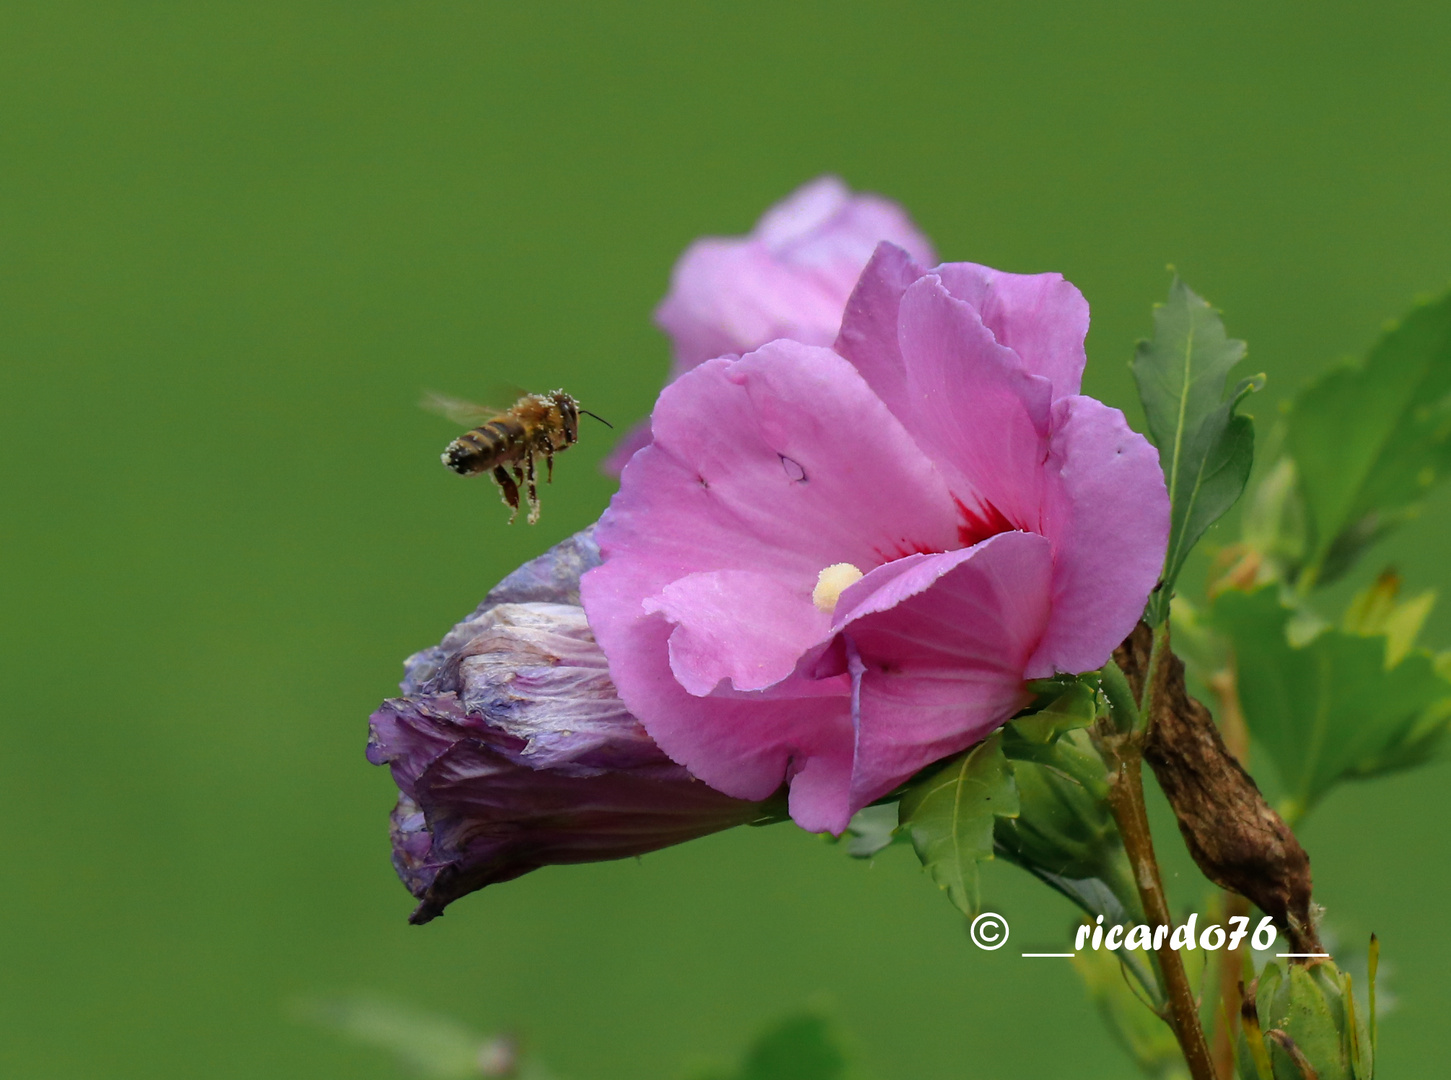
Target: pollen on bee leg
(830,584)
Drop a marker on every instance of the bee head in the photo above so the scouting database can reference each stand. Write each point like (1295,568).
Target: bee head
(569,414)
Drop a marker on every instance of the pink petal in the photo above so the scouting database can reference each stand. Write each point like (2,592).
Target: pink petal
(802,213)
(943,649)
(969,401)
(740,625)
(1041,317)
(974,409)
(783,459)
(823,227)
(868,335)
(820,790)
(1106,511)
(731,296)
(743,744)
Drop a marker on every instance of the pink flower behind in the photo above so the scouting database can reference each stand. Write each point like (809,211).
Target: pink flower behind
(834,567)
(789,278)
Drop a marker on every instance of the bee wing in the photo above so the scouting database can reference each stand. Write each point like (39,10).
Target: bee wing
(502,390)
(463,413)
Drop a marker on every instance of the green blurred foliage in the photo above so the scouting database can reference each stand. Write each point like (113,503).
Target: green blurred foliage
(240,238)
(1344,704)
(422,1043)
(1370,439)
(806,1046)
(1145,1037)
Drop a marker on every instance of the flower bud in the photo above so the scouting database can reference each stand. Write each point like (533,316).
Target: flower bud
(1064,833)
(1302,1021)
(512,750)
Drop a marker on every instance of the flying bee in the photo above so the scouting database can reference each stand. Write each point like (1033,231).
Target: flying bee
(507,443)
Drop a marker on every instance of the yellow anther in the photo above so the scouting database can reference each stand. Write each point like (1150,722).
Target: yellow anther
(830,584)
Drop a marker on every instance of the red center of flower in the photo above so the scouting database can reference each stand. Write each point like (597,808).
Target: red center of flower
(975,526)
(980,523)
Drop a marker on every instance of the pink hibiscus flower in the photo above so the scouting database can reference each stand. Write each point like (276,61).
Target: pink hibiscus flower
(790,278)
(833,567)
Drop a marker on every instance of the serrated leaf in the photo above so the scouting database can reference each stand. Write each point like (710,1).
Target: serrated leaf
(1205,448)
(1330,709)
(871,829)
(949,816)
(1370,439)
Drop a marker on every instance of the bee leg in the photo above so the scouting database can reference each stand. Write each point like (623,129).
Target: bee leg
(508,491)
(533,490)
(549,462)
(520,482)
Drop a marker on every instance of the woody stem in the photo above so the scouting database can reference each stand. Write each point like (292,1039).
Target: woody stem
(1126,801)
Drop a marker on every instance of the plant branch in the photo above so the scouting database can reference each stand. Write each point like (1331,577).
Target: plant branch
(1123,707)
(1148,693)
(1124,756)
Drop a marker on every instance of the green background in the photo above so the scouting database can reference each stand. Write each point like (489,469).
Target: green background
(239,239)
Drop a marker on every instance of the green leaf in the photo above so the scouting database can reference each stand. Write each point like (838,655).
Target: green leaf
(1075,707)
(1370,439)
(871,829)
(1205,448)
(949,815)
(1330,709)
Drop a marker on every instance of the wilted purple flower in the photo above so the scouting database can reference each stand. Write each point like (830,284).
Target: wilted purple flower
(512,750)
(789,278)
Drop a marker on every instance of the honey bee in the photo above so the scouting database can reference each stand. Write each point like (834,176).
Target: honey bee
(508,442)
